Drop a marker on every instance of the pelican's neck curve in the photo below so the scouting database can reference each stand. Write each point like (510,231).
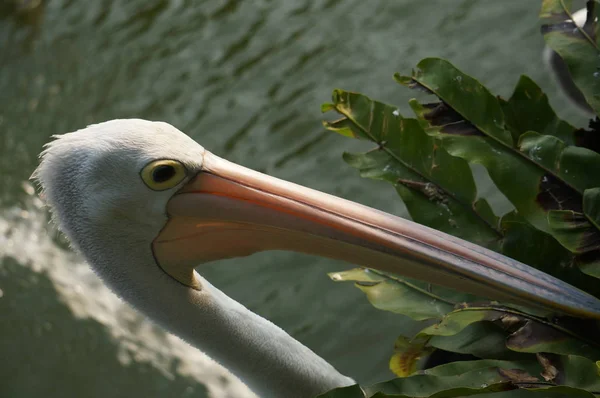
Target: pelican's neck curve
(267,359)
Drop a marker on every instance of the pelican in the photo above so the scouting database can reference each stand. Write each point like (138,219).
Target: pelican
(561,71)
(145,204)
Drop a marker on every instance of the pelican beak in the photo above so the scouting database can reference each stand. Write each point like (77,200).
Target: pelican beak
(230,211)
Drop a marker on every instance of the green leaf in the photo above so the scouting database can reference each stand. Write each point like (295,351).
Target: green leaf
(344,392)
(589,262)
(518,181)
(481,339)
(591,205)
(469,383)
(511,172)
(538,249)
(543,392)
(533,158)
(483,208)
(405,299)
(569,163)
(412,298)
(456,321)
(438,189)
(534,337)
(577,377)
(579,372)
(533,247)
(574,231)
(578,47)
(524,333)
(456,368)
(535,176)
(466,95)
(528,99)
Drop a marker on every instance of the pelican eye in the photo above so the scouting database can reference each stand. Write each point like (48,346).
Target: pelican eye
(163,174)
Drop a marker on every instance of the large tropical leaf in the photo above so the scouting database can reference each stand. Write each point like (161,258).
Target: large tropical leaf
(438,189)
(536,172)
(403,296)
(547,168)
(522,332)
(541,175)
(528,99)
(563,201)
(577,377)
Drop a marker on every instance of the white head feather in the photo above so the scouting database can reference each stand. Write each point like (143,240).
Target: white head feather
(93,176)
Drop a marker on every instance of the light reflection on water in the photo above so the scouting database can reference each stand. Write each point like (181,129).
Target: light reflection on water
(246,80)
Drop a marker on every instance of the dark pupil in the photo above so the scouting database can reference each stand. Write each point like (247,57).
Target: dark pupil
(163,173)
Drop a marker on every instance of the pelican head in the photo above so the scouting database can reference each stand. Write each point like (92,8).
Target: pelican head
(116,177)
(145,205)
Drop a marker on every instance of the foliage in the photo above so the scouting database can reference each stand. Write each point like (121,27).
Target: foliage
(543,165)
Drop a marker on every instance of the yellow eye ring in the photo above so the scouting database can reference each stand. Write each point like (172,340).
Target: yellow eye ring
(161,175)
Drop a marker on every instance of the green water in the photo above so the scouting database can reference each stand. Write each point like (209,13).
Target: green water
(246,80)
